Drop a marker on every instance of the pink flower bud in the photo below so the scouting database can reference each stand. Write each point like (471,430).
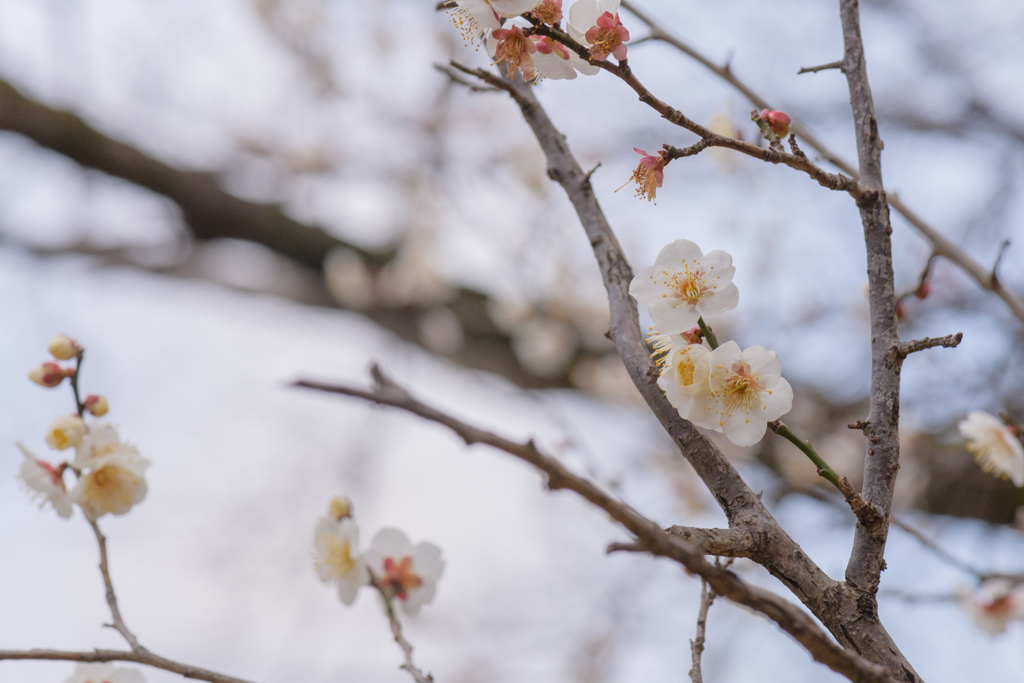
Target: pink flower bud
(47,374)
(97,405)
(924,290)
(693,336)
(777,121)
(63,347)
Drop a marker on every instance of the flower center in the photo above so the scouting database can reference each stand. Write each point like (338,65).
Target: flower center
(399,577)
(60,439)
(605,42)
(110,488)
(741,388)
(689,284)
(336,559)
(685,369)
(548,12)
(513,50)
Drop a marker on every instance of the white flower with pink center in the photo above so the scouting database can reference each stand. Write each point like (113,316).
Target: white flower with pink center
(46,481)
(994,445)
(557,62)
(745,392)
(993,604)
(408,574)
(336,556)
(595,24)
(685,284)
(113,483)
(104,673)
(548,12)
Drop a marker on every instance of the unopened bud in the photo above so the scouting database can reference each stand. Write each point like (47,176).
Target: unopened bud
(340,508)
(924,290)
(47,374)
(778,121)
(67,431)
(64,347)
(97,405)
(693,336)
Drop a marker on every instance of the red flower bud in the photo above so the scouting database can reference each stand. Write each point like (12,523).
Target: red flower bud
(924,290)
(48,374)
(778,121)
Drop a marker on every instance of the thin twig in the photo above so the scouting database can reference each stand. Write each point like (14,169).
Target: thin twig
(707,597)
(823,67)
(140,656)
(655,541)
(941,244)
(396,630)
(994,276)
(115,613)
(950,341)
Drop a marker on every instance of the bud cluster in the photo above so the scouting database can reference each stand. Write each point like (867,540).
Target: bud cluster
(774,126)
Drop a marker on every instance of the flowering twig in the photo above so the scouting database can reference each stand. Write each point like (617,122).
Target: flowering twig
(396,630)
(941,244)
(653,539)
(115,613)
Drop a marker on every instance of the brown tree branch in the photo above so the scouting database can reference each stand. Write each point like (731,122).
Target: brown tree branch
(140,656)
(950,341)
(737,542)
(823,67)
(115,612)
(941,244)
(707,597)
(212,213)
(655,540)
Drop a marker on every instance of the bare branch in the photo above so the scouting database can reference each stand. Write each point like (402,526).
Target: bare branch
(396,630)
(721,542)
(994,277)
(140,656)
(941,244)
(115,612)
(823,67)
(707,597)
(654,540)
(950,341)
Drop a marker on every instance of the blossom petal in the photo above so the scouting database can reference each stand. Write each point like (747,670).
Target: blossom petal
(677,253)
(427,562)
(779,402)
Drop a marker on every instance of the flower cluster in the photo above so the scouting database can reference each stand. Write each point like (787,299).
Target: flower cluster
(722,388)
(109,472)
(995,445)
(594,25)
(392,565)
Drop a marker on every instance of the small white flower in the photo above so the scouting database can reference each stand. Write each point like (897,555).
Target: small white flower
(994,446)
(476,17)
(114,483)
(685,374)
(557,62)
(66,431)
(105,673)
(45,479)
(583,16)
(993,604)
(408,573)
(745,392)
(100,441)
(336,556)
(684,284)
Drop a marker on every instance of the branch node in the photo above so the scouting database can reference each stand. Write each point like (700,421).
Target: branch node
(950,341)
(815,69)
(859,424)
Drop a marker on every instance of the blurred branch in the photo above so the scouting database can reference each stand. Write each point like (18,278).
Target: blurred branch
(707,598)
(941,245)
(656,541)
(140,657)
(735,542)
(212,213)
(823,67)
(396,630)
(115,612)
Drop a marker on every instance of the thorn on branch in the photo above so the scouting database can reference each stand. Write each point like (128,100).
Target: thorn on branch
(823,67)
(994,277)
(904,349)
(586,178)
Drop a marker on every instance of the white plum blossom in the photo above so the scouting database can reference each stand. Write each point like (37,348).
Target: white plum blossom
(993,604)
(685,284)
(45,480)
(476,17)
(685,374)
(66,431)
(113,474)
(336,556)
(995,447)
(745,392)
(557,62)
(595,24)
(405,572)
(104,673)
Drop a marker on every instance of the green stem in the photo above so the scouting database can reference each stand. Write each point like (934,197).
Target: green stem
(823,469)
(708,334)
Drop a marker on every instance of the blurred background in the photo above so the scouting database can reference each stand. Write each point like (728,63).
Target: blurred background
(217,199)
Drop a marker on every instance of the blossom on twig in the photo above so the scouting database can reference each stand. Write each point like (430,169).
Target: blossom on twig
(595,24)
(476,17)
(336,556)
(113,474)
(994,446)
(511,47)
(548,12)
(557,62)
(684,284)
(406,573)
(649,174)
(46,480)
(745,392)
(66,431)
